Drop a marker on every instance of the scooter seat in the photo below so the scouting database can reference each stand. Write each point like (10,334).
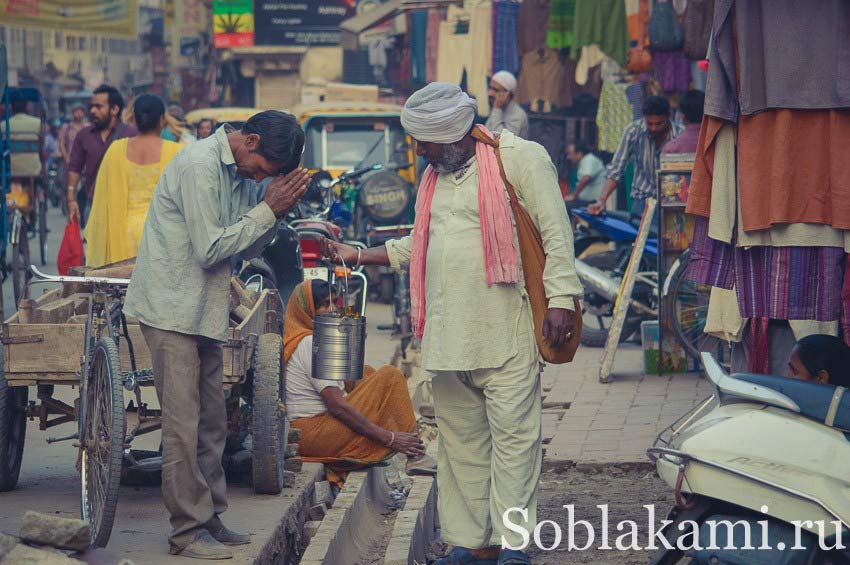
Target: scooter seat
(814,399)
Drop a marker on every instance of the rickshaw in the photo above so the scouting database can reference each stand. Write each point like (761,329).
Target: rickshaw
(26,202)
(78,336)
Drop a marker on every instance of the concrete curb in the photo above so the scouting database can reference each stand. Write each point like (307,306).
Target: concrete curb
(284,544)
(357,511)
(416,524)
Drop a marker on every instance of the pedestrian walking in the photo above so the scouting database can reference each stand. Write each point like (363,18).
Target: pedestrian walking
(91,144)
(202,214)
(471,310)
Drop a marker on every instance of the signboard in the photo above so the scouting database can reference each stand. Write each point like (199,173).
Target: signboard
(233,23)
(300,23)
(113,18)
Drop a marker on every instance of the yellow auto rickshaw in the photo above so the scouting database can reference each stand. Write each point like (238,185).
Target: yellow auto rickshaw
(231,114)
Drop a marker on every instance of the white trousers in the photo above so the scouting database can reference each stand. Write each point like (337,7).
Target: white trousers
(490,453)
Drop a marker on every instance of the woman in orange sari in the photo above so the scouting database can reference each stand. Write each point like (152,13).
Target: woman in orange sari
(345,431)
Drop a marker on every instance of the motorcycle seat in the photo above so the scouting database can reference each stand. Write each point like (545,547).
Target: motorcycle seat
(814,399)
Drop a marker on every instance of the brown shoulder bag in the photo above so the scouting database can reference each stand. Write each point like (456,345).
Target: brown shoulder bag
(533,259)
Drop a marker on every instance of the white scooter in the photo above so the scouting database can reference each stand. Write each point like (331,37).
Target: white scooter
(761,473)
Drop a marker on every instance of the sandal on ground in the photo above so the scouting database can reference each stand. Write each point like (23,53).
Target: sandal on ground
(513,557)
(461,556)
(425,465)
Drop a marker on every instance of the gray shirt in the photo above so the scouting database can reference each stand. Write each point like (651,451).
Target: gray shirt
(202,213)
(512,118)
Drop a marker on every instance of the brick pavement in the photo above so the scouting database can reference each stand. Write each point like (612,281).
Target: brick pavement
(585,422)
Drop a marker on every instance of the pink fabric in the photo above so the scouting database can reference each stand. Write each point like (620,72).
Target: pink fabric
(501,259)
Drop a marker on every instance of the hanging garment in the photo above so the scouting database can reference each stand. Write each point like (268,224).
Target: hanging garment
(615,114)
(505,51)
(418,34)
(455,46)
(591,56)
(665,31)
(792,55)
(781,283)
(637,20)
(532,26)
(559,33)
(602,22)
(672,70)
(697,24)
(432,44)
(480,68)
(541,77)
(792,168)
(634,94)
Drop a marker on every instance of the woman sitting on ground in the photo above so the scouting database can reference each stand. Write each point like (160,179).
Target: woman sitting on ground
(821,359)
(344,431)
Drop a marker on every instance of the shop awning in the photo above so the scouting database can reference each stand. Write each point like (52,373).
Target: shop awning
(353,27)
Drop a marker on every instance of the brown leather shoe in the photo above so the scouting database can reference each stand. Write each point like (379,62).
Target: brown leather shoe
(203,547)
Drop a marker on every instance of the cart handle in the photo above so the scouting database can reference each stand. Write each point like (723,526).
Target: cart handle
(66,279)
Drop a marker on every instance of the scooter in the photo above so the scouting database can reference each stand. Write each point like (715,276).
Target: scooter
(764,460)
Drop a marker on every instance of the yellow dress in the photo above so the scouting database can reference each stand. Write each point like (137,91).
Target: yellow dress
(122,195)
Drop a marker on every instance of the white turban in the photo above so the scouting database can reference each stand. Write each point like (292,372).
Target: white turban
(506,79)
(439,113)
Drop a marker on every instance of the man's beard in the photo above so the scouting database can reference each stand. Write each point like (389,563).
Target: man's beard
(100,125)
(452,159)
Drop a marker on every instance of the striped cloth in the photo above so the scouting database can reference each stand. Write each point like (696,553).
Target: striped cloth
(779,283)
(505,50)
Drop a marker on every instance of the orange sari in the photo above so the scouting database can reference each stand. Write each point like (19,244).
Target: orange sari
(382,397)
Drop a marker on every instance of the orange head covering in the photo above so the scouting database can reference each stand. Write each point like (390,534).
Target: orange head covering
(298,322)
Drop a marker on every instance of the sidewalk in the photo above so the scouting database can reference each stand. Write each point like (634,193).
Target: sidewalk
(585,422)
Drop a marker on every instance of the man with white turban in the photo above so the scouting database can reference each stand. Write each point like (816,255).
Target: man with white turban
(471,310)
(505,114)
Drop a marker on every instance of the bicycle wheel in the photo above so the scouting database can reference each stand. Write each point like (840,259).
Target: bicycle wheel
(686,306)
(104,425)
(42,228)
(20,262)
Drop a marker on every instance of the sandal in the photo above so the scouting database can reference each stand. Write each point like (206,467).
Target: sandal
(513,557)
(461,556)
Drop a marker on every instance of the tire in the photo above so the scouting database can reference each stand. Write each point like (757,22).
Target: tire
(269,420)
(13,431)
(42,229)
(594,332)
(104,420)
(20,263)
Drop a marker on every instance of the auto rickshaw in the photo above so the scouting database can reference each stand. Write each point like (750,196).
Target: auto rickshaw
(367,142)
(233,115)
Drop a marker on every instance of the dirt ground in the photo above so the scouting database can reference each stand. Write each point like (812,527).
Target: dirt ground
(625,492)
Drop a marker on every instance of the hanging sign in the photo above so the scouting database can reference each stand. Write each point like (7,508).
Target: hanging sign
(233,23)
(300,23)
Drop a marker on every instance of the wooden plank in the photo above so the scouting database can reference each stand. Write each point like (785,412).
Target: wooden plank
(54,312)
(29,379)
(58,352)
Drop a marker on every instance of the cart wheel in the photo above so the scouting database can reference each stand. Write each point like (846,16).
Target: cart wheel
(13,430)
(102,438)
(269,425)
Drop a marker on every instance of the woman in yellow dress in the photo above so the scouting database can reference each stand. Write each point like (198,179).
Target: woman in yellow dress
(125,183)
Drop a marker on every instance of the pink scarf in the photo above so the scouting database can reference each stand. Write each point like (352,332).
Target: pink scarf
(500,254)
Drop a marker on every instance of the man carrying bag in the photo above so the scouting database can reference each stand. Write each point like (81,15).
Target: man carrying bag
(487,300)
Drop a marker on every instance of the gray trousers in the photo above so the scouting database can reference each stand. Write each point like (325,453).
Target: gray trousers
(188,377)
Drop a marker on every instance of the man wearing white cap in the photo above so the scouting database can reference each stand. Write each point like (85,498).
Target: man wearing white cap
(471,310)
(505,114)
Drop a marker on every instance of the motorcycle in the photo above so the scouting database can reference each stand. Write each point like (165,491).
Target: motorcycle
(619,229)
(764,460)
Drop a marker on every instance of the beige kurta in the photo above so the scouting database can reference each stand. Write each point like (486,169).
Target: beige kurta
(469,325)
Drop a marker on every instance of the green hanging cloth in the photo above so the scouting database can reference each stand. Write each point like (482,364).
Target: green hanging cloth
(559,31)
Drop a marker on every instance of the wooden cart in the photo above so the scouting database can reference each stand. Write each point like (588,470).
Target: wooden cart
(77,335)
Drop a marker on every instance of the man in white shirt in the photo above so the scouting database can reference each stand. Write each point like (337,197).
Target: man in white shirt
(591,176)
(505,113)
